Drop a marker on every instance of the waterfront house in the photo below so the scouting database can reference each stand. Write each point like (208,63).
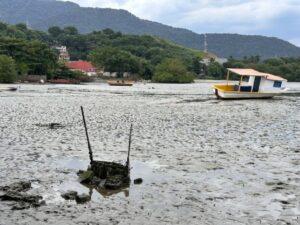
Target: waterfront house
(83,66)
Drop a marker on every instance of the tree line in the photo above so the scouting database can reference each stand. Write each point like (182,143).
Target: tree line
(146,57)
(108,50)
(288,68)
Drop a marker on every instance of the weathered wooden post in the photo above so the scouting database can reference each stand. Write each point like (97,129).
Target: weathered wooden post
(129,147)
(87,137)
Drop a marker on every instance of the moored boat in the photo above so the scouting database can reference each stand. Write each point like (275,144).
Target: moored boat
(257,85)
(9,89)
(64,81)
(120,82)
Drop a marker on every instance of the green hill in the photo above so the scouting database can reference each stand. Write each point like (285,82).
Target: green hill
(42,14)
(145,52)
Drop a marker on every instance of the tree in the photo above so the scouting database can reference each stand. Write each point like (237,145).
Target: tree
(115,60)
(32,57)
(172,71)
(22,26)
(214,70)
(70,30)
(55,31)
(7,69)
(196,66)
(111,34)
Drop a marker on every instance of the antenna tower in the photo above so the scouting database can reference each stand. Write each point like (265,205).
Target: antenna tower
(205,43)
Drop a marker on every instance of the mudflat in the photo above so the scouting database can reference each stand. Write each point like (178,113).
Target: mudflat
(202,160)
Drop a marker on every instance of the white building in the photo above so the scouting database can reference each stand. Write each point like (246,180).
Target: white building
(63,53)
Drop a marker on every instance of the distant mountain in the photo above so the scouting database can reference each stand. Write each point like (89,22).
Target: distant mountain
(42,14)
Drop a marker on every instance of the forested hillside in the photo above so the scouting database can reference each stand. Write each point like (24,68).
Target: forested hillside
(42,14)
(136,54)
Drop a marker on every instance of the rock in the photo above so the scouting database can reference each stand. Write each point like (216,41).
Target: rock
(83,198)
(18,186)
(114,182)
(23,200)
(138,181)
(70,195)
(108,175)
(20,197)
(40,203)
(96,181)
(26,205)
(55,125)
(51,125)
(21,206)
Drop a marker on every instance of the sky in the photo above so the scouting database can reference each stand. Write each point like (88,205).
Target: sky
(276,18)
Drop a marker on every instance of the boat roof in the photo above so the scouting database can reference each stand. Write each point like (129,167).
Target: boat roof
(252,72)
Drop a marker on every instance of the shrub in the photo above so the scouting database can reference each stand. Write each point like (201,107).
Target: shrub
(172,71)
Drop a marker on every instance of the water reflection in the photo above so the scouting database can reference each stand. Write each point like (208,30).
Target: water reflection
(144,170)
(94,191)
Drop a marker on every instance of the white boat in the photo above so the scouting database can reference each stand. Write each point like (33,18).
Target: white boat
(252,84)
(9,89)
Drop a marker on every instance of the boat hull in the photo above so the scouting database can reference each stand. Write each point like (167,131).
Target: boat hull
(120,83)
(243,95)
(63,81)
(9,89)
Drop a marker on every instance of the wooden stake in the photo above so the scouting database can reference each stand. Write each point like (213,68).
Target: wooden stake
(129,147)
(87,137)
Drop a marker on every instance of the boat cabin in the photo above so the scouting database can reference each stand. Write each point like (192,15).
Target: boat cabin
(251,84)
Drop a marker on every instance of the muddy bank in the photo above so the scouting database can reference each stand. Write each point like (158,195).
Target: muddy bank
(202,161)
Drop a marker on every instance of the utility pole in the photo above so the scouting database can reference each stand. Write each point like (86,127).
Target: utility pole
(205,43)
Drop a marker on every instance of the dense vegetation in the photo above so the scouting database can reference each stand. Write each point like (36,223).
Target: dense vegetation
(7,69)
(172,71)
(108,50)
(43,14)
(120,61)
(31,57)
(288,68)
(115,52)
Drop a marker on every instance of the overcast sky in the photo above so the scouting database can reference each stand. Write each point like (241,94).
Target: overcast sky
(279,18)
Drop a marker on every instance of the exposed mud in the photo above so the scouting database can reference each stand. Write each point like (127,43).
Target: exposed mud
(202,161)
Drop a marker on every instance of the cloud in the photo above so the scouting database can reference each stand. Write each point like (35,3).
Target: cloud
(295,41)
(218,16)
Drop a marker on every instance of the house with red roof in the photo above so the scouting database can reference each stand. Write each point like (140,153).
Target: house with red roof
(83,66)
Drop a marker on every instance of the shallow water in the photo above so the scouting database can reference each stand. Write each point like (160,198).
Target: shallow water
(203,161)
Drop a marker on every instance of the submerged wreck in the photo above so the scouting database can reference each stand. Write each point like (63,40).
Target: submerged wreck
(102,174)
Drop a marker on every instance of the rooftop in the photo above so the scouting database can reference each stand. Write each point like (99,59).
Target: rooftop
(252,72)
(81,65)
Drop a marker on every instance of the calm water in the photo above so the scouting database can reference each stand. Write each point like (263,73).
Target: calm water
(203,161)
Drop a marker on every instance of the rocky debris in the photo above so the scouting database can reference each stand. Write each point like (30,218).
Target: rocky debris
(105,170)
(114,182)
(15,193)
(83,198)
(51,125)
(107,175)
(18,186)
(55,125)
(20,206)
(70,195)
(73,195)
(20,197)
(138,181)
(23,200)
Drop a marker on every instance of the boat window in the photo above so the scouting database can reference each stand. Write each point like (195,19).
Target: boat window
(277,84)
